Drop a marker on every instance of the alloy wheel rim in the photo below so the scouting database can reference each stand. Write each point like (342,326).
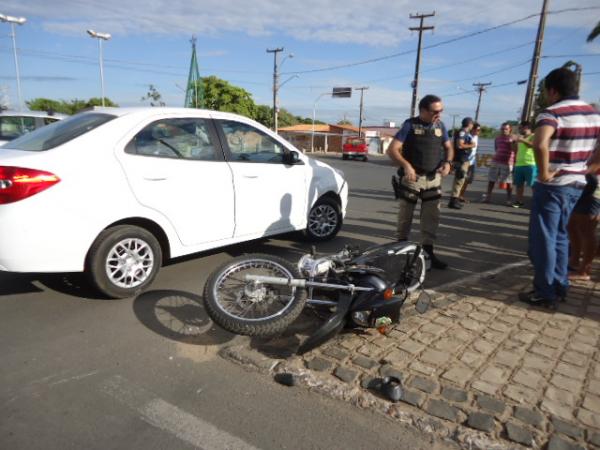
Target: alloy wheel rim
(129,263)
(322,220)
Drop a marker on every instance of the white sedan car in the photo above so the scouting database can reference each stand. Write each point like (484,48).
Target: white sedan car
(115,192)
(15,124)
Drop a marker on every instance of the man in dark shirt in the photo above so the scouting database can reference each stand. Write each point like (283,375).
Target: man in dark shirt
(423,151)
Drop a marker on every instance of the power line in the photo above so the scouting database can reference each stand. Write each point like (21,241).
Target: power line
(448,41)
(580,55)
(512,66)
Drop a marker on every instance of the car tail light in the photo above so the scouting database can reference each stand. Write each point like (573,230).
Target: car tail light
(17,183)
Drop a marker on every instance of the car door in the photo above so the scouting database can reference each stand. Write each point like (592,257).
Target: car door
(270,195)
(176,167)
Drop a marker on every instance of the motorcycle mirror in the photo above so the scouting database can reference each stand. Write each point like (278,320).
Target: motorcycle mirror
(423,302)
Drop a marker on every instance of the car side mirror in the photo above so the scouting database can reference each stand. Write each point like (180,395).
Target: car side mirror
(291,158)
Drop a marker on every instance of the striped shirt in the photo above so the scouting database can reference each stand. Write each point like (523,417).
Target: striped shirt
(577,129)
(505,153)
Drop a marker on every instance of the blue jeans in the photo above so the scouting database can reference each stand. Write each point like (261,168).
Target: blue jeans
(549,239)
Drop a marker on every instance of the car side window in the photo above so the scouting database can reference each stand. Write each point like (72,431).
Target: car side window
(248,144)
(175,138)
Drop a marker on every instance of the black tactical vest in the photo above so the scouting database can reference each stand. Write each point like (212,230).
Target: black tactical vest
(423,145)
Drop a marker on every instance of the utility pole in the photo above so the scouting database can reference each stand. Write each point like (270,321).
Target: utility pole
(415,82)
(528,104)
(275,51)
(481,88)
(360,117)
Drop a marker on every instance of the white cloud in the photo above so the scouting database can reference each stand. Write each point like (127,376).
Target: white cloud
(382,23)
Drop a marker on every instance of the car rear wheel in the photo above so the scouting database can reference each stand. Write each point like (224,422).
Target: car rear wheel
(123,261)
(324,220)
(344,156)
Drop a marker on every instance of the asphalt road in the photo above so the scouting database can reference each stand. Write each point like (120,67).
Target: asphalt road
(143,373)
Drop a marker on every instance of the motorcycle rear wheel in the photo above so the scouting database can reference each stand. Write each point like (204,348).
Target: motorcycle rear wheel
(251,308)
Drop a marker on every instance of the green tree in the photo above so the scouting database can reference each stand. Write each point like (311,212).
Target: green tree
(154,96)
(264,116)
(66,107)
(220,95)
(345,122)
(46,104)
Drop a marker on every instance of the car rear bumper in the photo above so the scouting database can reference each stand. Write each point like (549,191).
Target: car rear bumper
(355,153)
(34,238)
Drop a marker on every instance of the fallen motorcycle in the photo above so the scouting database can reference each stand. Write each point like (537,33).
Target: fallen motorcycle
(261,295)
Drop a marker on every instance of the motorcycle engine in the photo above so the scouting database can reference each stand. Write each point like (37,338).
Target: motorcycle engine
(311,267)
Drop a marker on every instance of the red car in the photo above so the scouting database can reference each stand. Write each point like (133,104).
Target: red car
(355,147)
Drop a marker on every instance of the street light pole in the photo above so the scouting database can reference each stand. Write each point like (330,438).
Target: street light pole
(18,21)
(101,37)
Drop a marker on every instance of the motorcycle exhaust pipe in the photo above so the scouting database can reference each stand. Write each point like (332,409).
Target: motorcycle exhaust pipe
(294,282)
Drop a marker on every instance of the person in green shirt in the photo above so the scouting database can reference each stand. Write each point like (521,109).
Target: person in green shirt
(525,168)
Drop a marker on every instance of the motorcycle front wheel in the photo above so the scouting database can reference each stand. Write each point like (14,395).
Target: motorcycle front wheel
(415,275)
(253,308)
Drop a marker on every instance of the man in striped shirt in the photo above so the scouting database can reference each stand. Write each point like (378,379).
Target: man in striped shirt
(566,134)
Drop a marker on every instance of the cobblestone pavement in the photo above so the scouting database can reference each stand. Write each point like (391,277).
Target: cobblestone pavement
(479,369)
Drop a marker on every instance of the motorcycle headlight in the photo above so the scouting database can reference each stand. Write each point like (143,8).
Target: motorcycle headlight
(361,318)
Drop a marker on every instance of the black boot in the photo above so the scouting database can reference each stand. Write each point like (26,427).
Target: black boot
(435,262)
(454,203)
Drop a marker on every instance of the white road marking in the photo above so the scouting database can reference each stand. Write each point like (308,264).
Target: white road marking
(170,418)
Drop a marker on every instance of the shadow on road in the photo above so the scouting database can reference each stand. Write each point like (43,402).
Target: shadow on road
(179,316)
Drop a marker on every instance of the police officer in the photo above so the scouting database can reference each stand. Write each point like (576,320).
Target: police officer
(463,146)
(424,153)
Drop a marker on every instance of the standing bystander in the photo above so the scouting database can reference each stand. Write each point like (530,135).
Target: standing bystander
(566,135)
(463,146)
(423,151)
(472,162)
(525,170)
(502,164)
(583,223)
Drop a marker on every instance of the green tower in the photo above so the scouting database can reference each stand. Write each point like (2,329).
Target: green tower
(194,94)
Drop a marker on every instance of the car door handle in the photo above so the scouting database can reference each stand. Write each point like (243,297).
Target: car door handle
(250,176)
(155,178)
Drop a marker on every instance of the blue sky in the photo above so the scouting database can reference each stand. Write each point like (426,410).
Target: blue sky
(150,45)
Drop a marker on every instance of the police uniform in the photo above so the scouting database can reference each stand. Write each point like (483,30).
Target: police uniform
(423,149)
(461,162)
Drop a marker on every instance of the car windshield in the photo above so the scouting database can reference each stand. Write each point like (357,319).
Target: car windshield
(59,132)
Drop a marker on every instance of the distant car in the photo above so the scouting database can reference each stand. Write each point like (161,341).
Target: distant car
(355,147)
(14,124)
(114,192)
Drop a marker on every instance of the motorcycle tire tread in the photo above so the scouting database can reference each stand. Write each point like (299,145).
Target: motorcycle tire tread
(258,328)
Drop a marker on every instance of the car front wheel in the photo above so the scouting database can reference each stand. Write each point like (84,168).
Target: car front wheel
(324,220)
(123,261)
